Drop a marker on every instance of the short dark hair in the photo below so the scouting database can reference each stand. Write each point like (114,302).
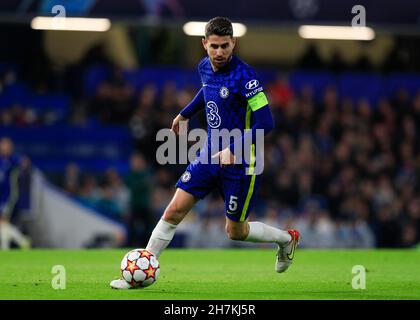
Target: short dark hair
(219,26)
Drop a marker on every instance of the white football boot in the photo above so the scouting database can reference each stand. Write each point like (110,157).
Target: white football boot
(286,253)
(120,284)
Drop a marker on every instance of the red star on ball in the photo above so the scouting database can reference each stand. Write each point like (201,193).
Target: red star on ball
(150,272)
(146,254)
(131,266)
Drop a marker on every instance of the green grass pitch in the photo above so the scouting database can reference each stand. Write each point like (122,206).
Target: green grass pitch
(215,274)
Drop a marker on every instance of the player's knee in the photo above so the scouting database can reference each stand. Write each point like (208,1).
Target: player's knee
(236,233)
(174,214)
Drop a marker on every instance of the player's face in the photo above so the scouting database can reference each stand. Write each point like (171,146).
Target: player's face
(219,49)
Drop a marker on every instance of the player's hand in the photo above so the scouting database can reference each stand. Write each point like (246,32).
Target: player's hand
(176,126)
(226,157)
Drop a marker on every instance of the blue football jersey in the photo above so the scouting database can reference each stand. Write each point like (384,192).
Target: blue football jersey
(227,94)
(230,97)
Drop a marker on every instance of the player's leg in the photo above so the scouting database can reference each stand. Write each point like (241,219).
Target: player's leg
(177,209)
(260,232)
(256,232)
(194,184)
(180,205)
(239,195)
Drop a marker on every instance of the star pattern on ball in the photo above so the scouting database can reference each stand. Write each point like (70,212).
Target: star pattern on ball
(150,272)
(131,266)
(146,254)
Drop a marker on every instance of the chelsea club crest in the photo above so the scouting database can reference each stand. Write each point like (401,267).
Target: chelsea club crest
(186,176)
(224,92)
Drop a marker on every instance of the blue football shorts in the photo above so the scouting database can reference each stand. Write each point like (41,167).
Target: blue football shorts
(236,188)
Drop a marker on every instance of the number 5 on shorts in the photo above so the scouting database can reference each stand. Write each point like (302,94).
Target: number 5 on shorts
(233,203)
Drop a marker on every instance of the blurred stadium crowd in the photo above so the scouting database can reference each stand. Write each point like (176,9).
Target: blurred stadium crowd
(343,171)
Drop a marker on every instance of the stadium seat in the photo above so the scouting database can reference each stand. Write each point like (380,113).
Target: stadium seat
(59,103)
(159,76)
(93,77)
(410,82)
(14,93)
(360,86)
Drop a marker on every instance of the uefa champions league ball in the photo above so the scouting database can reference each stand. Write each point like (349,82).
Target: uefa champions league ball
(140,268)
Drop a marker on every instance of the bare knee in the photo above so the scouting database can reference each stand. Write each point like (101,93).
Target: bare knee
(174,214)
(239,232)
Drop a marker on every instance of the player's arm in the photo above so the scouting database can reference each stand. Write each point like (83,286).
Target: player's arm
(263,120)
(252,90)
(190,110)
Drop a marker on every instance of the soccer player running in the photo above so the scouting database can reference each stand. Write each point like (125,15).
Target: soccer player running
(233,98)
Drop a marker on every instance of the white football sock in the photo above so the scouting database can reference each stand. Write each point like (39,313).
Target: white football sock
(261,232)
(4,236)
(161,237)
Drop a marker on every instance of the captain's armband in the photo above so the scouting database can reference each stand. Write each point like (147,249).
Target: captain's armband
(258,101)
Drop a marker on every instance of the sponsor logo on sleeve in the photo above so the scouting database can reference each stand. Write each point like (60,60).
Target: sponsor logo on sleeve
(253,92)
(250,85)
(254,86)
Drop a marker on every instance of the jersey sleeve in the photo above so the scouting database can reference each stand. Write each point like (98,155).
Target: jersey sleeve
(252,90)
(194,106)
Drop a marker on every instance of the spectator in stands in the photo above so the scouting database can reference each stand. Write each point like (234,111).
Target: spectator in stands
(9,195)
(71,180)
(107,204)
(23,217)
(167,103)
(310,59)
(89,192)
(119,191)
(139,182)
(280,93)
(6,118)
(337,63)
(113,102)
(144,130)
